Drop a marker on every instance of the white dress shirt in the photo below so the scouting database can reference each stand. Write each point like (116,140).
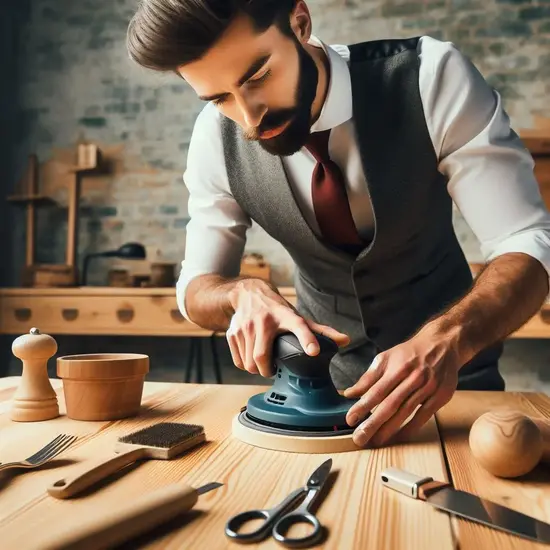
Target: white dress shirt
(489,171)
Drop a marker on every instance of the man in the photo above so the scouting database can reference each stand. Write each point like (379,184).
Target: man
(351,157)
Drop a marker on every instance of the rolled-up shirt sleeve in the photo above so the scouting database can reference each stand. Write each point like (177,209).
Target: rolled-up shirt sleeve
(490,172)
(216,231)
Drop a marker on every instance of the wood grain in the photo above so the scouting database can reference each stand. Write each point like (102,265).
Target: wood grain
(357,510)
(529,494)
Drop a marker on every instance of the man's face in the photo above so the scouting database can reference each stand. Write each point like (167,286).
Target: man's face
(264,82)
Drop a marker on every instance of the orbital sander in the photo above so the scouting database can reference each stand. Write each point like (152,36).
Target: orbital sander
(302,411)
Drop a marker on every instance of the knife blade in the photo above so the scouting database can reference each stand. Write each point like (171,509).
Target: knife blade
(208,487)
(443,496)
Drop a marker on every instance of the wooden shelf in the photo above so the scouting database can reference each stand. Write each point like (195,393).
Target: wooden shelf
(34,199)
(94,291)
(133,311)
(98,311)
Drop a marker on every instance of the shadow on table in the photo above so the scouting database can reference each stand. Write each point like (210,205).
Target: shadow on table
(154,535)
(163,412)
(7,476)
(421,438)
(540,474)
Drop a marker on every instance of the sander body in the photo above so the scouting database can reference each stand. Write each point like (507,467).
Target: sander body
(303,399)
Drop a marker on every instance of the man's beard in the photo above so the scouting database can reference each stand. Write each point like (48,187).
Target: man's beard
(295,135)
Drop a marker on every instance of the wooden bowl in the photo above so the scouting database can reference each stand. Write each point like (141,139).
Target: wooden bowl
(103,386)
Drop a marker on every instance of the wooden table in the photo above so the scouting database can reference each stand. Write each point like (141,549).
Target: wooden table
(358,512)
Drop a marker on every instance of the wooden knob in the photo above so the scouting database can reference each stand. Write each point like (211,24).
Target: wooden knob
(35,399)
(34,345)
(508,443)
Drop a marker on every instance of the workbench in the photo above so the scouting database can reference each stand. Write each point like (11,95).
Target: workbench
(357,510)
(136,312)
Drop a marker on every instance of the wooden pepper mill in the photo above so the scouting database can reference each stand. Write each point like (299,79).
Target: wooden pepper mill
(35,399)
(508,443)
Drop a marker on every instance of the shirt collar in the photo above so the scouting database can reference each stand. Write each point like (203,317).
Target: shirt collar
(337,108)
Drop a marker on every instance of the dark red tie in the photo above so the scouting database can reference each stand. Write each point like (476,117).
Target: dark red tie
(330,200)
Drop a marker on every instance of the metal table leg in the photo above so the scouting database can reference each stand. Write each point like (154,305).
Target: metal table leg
(198,364)
(189,366)
(215,359)
(195,361)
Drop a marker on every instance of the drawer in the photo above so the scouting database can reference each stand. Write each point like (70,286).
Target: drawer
(110,315)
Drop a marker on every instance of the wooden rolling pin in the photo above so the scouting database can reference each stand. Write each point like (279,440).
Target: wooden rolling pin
(125,522)
(508,443)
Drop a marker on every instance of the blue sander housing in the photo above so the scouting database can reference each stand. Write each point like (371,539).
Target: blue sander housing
(303,399)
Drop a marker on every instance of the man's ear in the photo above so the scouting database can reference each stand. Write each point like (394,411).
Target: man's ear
(300,21)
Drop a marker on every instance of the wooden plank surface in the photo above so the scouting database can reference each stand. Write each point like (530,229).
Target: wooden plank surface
(529,494)
(357,510)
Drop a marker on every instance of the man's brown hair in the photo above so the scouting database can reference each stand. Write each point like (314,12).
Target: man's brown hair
(165,34)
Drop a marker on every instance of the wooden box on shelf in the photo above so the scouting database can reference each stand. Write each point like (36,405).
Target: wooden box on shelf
(254,265)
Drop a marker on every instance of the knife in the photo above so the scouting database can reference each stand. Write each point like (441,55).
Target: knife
(466,505)
(126,520)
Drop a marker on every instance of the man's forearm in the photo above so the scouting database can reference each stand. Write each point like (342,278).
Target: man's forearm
(210,300)
(505,295)
(207,301)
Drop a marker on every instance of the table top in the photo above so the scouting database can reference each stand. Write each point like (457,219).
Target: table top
(357,511)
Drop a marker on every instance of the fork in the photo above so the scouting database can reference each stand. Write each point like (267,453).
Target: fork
(49,451)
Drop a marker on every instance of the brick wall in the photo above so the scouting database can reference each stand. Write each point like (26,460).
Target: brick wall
(66,74)
(76,82)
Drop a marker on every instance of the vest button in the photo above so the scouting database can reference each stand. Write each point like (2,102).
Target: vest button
(373,332)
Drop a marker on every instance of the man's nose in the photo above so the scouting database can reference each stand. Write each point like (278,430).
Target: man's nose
(252,109)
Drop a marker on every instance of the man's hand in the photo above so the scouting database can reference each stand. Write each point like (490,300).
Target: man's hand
(422,371)
(260,314)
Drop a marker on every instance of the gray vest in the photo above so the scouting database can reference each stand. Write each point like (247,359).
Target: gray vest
(414,267)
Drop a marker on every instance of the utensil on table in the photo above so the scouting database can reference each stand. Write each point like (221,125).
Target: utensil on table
(136,517)
(47,453)
(162,441)
(466,505)
(279,520)
(508,443)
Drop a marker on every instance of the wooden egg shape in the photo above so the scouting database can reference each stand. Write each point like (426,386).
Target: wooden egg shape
(506,443)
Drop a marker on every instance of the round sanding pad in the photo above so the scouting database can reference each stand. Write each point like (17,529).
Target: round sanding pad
(289,441)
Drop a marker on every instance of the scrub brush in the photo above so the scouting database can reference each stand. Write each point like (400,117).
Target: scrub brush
(162,441)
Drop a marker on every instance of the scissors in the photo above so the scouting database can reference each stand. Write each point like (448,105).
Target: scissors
(278,521)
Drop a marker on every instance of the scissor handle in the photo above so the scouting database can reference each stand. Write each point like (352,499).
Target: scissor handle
(234,525)
(283,526)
